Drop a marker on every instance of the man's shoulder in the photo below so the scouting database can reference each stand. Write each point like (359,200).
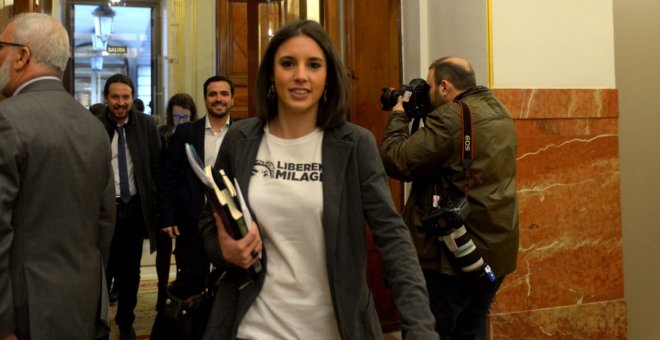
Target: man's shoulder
(192,127)
(26,99)
(46,100)
(144,122)
(142,117)
(10,106)
(189,131)
(487,106)
(58,110)
(445,117)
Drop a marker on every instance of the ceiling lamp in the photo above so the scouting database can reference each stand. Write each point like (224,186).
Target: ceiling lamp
(103,18)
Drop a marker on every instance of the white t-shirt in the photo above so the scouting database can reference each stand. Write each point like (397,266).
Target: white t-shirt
(286,195)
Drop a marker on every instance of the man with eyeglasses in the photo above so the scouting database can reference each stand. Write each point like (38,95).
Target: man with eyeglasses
(182,196)
(57,209)
(135,160)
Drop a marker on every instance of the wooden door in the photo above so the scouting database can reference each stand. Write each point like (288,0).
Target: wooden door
(22,6)
(373,58)
(232,50)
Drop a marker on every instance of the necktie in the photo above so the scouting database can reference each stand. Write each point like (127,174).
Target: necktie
(124,192)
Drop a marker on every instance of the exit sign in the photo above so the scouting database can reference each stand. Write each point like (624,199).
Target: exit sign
(117,49)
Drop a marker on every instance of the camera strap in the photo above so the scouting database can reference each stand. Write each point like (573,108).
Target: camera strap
(467,151)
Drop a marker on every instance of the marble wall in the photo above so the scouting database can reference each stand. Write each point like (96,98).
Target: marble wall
(569,281)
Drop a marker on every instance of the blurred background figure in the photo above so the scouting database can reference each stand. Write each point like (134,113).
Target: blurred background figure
(180,109)
(139,105)
(157,118)
(97,109)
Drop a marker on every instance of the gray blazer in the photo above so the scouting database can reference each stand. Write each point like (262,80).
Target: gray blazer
(57,211)
(354,190)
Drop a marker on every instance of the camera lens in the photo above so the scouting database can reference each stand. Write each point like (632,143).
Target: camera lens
(416,104)
(388,98)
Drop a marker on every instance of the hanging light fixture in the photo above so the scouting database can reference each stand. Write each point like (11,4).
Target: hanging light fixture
(96,63)
(103,18)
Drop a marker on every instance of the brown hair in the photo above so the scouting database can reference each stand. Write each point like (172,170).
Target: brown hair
(180,99)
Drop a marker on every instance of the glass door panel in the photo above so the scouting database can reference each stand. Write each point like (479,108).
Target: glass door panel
(109,40)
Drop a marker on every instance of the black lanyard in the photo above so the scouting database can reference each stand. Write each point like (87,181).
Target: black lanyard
(467,150)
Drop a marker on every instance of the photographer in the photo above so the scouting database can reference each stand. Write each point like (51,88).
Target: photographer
(432,158)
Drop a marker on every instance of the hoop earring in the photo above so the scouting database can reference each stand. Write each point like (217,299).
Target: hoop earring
(271,94)
(325,95)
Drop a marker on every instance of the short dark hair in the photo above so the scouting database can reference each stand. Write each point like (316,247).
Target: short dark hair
(335,108)
(139,104)
(219,78)
(185,101)
(118,78)
(461,77)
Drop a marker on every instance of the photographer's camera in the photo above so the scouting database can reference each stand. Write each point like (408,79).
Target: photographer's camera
(416,101)
(447,222)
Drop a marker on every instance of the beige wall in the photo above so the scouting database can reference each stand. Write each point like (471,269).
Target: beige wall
(637,52)
(449,22)
(553,44)
(190,47)
(535,44)
(435,29)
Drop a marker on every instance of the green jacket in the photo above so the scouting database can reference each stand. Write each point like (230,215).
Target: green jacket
(431,157)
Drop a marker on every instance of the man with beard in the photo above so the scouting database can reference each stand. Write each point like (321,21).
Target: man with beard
(219,99)
(135,161)
(57,209)
(468,250)
(181,196)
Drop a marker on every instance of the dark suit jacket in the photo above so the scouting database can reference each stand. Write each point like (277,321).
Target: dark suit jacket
(355,189)
(181,197)
(144,145)
(57,216)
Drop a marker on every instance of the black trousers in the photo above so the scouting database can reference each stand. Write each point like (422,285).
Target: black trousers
(125,257)
(163,257)
(460,304)
(189,252)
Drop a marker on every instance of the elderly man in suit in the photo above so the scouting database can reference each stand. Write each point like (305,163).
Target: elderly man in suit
(57,204)
(181,194)
(135,161)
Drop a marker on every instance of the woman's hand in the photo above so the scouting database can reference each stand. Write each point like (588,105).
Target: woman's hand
(241,253)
